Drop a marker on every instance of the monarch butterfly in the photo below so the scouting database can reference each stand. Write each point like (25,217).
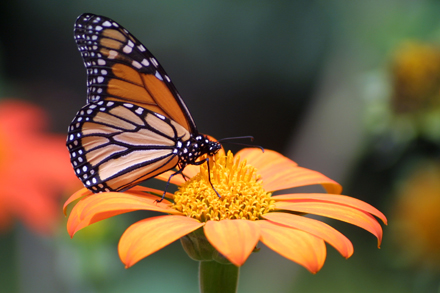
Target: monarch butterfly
(135,125)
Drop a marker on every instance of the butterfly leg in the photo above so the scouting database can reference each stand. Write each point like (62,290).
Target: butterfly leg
(168,183)
(185,177)
(209,174)
(180,172)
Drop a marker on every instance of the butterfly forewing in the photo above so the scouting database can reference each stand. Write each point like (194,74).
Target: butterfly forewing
(119,68)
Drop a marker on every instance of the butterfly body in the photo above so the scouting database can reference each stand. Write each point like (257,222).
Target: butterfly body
(135,125)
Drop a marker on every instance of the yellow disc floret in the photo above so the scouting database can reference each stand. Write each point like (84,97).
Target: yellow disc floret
(238,184)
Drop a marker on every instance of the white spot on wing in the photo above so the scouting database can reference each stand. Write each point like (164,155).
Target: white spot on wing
(154,61)
(160,116)
(136,64)
(127,49)
(112,54)
(158,75)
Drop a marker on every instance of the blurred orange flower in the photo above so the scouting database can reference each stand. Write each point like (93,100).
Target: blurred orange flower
(416,232)
(34,168)
(245,214)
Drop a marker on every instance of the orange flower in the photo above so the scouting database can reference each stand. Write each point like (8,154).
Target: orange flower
(34,168)
(416,232)
(245,214)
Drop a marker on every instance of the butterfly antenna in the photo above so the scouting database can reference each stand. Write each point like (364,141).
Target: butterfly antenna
(228,140)
(237,137)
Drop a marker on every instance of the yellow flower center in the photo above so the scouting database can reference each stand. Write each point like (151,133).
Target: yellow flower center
(240,188)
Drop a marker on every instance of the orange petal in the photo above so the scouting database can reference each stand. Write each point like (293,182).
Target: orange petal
(298,246)
(80,193)
(342,199)
(234,239)
(260,160)
(85,192)
(104,205)
(73,222)
(336,211)
(127,201)
(142,190)
(148,236)
(279,172)
(314,227)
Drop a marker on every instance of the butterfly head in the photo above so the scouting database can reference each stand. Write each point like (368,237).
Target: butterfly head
(189,151)
(214,147)
(206,145)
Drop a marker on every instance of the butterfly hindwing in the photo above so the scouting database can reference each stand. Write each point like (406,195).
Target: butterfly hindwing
(114,145)
(120,68)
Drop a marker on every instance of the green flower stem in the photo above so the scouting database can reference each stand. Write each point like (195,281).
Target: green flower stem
(215,277)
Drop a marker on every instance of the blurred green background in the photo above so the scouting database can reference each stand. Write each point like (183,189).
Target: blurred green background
(348,88)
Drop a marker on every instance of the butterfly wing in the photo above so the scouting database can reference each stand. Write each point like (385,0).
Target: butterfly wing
(120,68)
(135,125)
(115,145)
